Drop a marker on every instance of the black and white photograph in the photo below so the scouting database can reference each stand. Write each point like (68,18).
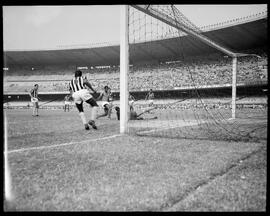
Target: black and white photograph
(135,108)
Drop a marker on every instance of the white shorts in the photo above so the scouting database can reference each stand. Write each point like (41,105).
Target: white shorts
(150,101)
(131,102)
(81,95)
(34,100)
(67,102)
(104,103)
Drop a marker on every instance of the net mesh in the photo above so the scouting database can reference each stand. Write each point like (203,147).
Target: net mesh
(192,93)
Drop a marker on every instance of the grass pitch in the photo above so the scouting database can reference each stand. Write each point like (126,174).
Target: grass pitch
(56,165)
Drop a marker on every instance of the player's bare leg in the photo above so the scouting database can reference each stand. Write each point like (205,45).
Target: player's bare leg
(109,113)
(94,109)
(146,111)
(34,110)
(106,112)
(37,109)
(93,117)
(82,115)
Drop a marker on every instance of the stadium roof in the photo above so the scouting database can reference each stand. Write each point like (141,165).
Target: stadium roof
(240,34)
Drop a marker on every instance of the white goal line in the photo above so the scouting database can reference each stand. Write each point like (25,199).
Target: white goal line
(62,144)
(171,127)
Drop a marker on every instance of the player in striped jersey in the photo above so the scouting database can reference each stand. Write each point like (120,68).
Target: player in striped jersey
(80,94)
(34,99)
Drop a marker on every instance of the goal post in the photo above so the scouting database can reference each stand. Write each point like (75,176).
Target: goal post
(234,81)
(124,67)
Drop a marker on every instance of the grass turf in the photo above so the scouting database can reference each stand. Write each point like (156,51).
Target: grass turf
(126,173)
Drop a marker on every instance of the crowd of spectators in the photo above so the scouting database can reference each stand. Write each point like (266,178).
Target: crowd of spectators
(208,70)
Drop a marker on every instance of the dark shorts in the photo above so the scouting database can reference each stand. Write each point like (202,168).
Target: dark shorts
(92,102)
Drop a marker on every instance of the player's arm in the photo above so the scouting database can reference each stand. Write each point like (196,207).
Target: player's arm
(110,97)
(100,96)
(30,93)
(86,82)
(70,91)
(131,97)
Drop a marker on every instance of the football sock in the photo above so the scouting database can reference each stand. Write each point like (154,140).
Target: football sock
(94,113)
(83,117)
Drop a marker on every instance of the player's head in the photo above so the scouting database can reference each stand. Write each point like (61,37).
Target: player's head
(151,90)
(106,88)
(78,73)
(36,86)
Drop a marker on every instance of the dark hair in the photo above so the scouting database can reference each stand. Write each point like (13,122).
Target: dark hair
(106,87)
(78,73)
(36,85)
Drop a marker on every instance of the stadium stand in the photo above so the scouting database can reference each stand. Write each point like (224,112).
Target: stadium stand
(212,69)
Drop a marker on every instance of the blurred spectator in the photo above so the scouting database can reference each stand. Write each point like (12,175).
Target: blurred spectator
(204,70)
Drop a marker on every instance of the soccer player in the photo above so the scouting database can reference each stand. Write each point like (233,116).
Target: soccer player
(150,97)
(34,99)
(77,88)
(131,100)
(67,101)
(106,98)
(133,115)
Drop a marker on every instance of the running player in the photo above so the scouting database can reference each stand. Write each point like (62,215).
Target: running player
(34,99)
(105,97)
(80,94)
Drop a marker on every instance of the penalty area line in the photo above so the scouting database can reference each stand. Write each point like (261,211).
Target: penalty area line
(62,144)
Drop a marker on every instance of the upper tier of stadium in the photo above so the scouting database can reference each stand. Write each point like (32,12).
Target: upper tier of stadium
(238,34)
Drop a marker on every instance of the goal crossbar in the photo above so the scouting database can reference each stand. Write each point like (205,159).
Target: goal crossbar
(170,20)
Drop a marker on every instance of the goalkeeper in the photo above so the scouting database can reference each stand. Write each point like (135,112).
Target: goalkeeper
(133,114)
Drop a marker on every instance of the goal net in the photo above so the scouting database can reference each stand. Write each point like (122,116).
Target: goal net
(191,81)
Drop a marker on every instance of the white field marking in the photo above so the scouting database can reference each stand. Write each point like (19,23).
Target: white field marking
(177,126)
(38,120)
(190,123)
(15,133)
(8,191)
(62,144)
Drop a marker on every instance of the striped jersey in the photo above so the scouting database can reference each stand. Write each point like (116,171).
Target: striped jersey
(76,84)
(34,93)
